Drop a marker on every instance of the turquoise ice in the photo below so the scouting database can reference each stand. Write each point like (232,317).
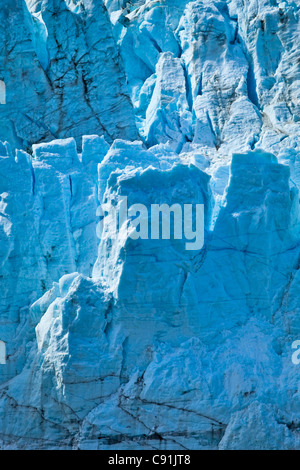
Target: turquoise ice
(141,344)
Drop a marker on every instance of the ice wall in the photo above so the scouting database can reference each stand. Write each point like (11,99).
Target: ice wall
(123,344)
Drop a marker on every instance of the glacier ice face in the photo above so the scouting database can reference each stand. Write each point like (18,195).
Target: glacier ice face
(123,344)
(56,57)
(165,347)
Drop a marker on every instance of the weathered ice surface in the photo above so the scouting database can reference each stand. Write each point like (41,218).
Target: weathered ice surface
(57,64)
(142,344)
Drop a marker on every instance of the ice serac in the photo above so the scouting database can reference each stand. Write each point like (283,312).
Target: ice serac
(115,343)
(239,62)
(58,65)
(48,228)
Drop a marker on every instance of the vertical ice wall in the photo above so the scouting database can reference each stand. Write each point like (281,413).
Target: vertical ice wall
(142,344)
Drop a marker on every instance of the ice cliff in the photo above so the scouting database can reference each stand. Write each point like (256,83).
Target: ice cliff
(123,344)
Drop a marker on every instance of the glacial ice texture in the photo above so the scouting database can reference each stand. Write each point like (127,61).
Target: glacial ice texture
(123,344)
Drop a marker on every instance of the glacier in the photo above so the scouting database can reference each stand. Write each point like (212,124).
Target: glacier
(141,344)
